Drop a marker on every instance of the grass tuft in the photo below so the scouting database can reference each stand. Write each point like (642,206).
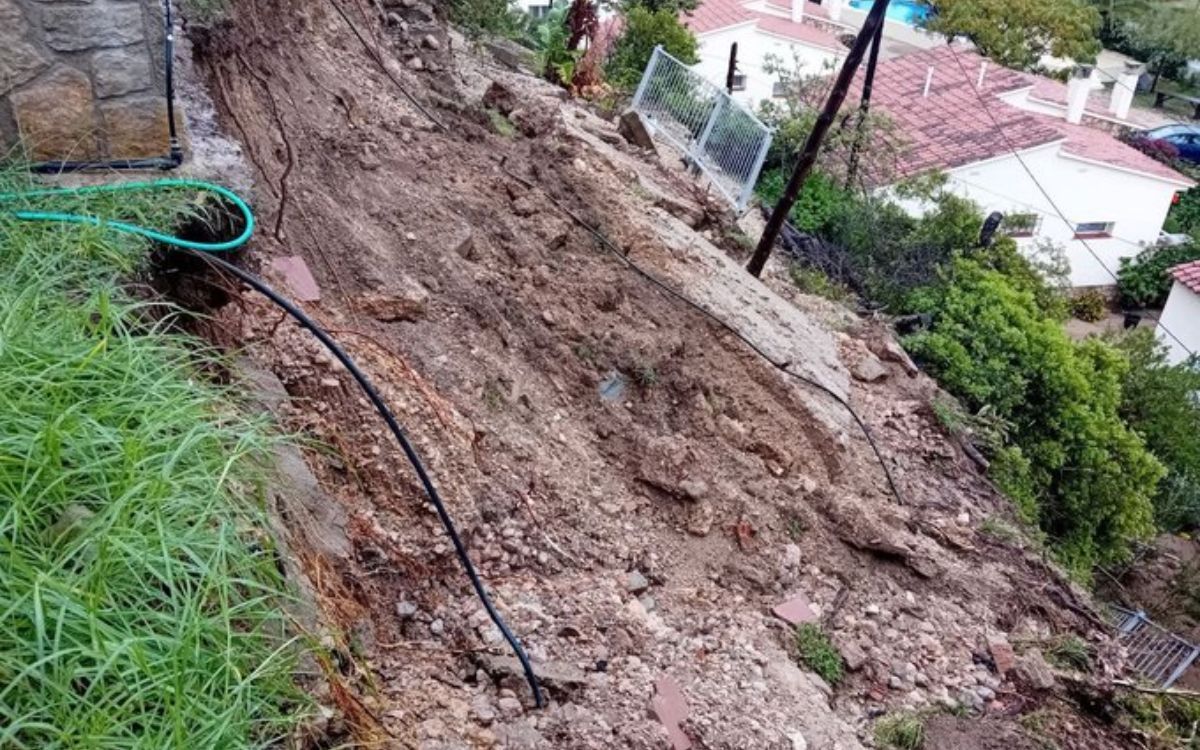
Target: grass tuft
(140,606)
(817,652)
(901,731)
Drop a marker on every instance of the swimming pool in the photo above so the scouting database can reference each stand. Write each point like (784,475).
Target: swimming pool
(904,11)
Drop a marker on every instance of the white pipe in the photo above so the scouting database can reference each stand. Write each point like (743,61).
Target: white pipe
(928,83)
(982,74)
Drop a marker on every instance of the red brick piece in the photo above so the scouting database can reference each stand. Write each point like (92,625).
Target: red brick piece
(671,710)
(1002,654)
(796,610)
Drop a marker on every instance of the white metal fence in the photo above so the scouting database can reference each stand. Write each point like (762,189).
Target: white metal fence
(1154,653)
(721,137)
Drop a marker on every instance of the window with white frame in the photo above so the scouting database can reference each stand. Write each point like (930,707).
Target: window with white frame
(739,81)
(1094,229)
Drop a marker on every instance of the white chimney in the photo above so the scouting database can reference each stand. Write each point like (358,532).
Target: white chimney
(1123,88)
(835,9)
(1078,88)
(798,10)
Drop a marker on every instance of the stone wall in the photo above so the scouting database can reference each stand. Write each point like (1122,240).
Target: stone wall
(83,79)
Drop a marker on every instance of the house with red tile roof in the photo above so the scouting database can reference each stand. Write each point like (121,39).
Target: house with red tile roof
(1181,316)
(793,32)
(1001,140)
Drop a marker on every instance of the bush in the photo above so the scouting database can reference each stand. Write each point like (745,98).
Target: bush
(812,281)
(815,651)
(1143,281)
(1184,217)
(817,203)
(1158,402)
(1090,306)
(1086,477)
(644,30)
(486,17)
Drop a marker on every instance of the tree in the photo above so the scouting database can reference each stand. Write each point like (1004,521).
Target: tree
(644,30)
(671,6)
(1018,33)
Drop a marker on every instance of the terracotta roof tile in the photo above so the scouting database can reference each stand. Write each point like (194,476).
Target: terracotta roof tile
(1188,274)
(717,14)
(801,32)
(713,15)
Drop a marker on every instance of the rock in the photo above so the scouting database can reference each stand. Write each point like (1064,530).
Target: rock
(700,519)
(963,519)
(868,369)
(791,556)
(429,41)
(635,582)
(798,741)
(671,710)
(1031,669)
(1002,654)
(633,129)
(796,610)
(415,63)
(499,98)
(483,711)
(407,303)
(56,117)
(368,158)
(889,350)
(121,71)
(135,127)
(871,610)
(19,59)
(648,603)
(985,693)
(437,627)
(295,274)
(853,656)
(552,674)
(694,489)
(510,707)
(71,27)
(406,610)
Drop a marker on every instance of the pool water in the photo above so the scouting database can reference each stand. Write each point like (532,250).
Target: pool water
(904,11)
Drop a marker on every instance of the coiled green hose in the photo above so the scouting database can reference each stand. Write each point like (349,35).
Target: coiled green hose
(121,226)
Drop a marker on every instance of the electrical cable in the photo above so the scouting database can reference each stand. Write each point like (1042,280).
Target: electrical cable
(666,289)
(174,155)
(1054,205)
(205,251)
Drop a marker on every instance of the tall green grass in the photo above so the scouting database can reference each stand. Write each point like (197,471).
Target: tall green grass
(140,605)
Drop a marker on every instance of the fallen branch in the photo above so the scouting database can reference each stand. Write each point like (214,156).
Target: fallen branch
(1172,692)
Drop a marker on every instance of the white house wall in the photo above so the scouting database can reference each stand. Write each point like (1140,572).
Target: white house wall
(1084,192)
(1182,317)
(754,47)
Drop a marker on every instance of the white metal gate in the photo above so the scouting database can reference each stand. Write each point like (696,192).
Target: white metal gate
(721,137)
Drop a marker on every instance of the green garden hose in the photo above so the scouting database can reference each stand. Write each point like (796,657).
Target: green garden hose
(121,226)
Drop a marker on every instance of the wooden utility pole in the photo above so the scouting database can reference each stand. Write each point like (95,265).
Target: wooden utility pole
(732,68)
(864,106)
(812,146)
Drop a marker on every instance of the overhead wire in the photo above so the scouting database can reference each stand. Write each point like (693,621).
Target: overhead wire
(207,251)
(1045,193)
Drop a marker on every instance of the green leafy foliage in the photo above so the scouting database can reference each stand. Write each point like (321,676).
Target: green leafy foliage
(1081,472)
(1159,402)
(1090,306)
(671,6)
(140,604)
(816,652)
(1143,281)
(480,18)
(1184,216)
(644,30)
(1069,652)
(812,281)
(555,58)
(1018,33)
(817,203)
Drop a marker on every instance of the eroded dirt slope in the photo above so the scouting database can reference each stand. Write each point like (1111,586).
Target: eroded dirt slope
(639,489)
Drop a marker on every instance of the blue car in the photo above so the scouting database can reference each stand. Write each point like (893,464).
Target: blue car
(1185,139)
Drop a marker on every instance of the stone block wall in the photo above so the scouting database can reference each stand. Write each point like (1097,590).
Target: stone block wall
(83,79)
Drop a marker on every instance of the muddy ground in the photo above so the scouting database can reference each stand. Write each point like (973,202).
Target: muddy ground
(638,488)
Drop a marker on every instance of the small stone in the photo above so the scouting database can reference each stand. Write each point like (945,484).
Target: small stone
(648,603)
(635,582)
(964,519)
(895,682)
(437,627)
(853,656)
(868,369)
(429,41)
(694,489)
(872,610)
(415,63)
(700,519)
(406,610)
(330,383)
(985,693)
(510,707)
(483,711)
(548,318)
(798,741)
(1002,654)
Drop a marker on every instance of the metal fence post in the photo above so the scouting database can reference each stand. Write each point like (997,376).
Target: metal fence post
(752,180)
(1183,667)
(641,89)
(708,128)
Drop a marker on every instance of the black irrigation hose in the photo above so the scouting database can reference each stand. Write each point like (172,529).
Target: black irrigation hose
(409,452)
(666,289)
(174,156)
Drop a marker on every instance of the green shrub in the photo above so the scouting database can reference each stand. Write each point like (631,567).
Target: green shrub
(816,652)
(1184,216)
(1143,280)
(1086,477)
(902,731)
(812,281)
(486,17)
(644,30)
(816,204)
(1158,401)
(1069,652)
(1090,306)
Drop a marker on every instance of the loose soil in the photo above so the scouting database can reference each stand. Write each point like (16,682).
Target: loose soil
(638,488)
